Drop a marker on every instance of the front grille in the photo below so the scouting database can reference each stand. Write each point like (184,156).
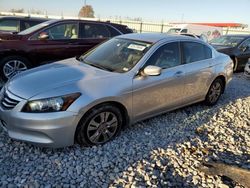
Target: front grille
(8,101)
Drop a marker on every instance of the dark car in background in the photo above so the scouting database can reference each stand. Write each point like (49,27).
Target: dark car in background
(236,46)
(51,41)
(15,24)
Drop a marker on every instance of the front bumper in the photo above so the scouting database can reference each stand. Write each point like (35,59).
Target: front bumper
(247,70)
(44,129)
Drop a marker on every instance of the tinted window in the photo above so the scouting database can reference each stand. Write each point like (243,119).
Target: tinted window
(113,31)
(193,51)
(166,56)
(9,25)
(246,43)
(27,24)
(61,31)
(91,30)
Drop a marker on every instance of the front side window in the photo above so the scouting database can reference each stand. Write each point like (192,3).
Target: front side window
(116,55)
(9,25)
(60,31)
(193,51)
(91,30)
(166,56)
(246,44)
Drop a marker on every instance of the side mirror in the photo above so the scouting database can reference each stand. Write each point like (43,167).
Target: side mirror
(43,36)
(152,70)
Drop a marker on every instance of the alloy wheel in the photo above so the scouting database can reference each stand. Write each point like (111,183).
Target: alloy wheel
(215,92)
(102,127)
(13,67)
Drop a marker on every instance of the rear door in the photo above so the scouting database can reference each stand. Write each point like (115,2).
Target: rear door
(198,60)
(90,35)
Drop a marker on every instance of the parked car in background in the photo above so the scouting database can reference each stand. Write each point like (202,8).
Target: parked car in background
(50,41)
(236,46)
(207,33)
(15,24)
(247,69)
(195,36)
(124,80)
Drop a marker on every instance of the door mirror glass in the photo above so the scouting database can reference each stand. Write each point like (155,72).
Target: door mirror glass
(152,70)
(43,36)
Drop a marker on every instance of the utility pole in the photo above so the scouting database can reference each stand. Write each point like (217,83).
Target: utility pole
(85,2)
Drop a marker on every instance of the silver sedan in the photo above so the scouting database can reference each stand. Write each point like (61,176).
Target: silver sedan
(89,99)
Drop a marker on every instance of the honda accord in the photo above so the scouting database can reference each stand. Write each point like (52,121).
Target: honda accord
(88,100)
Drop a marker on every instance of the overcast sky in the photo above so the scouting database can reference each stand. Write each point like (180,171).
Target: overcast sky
(149,10)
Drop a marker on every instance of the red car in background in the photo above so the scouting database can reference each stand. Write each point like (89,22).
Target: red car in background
(51,41)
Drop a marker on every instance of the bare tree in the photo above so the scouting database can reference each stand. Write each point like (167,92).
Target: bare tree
(21,10)
(86,11)
(33,11)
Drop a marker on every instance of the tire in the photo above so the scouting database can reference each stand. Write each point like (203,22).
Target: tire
(19,63)
(90,131)
(235,60)
(214,92)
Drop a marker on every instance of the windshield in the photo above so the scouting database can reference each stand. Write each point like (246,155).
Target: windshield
(227,40)
(116,55)
(36,27)
(174,30)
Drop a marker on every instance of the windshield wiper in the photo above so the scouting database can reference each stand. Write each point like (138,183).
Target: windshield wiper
(95,65)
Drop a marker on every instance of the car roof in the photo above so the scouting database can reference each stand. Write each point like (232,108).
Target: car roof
(22,18)
(153,37)
(238,35)
(86,21)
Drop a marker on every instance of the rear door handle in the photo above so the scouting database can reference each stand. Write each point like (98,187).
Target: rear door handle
(178,73)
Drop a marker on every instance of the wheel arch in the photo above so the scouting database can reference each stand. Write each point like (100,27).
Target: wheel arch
(17,53)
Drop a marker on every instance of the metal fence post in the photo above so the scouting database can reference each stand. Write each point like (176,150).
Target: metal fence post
(141,27)
(162,25)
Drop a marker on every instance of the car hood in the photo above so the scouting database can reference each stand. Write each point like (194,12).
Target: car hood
(10,36)
(52,76)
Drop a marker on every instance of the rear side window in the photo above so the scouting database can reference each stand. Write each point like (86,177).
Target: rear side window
(193,51)
(113,31)
(27,24)
(9,25)
(91,30)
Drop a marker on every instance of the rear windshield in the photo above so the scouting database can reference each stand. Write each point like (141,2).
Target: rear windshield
(227,40)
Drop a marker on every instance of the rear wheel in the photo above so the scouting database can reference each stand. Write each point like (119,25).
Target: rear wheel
(12,65)
(99,126)
(214,92)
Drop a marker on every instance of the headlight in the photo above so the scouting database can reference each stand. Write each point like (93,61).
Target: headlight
(54,104)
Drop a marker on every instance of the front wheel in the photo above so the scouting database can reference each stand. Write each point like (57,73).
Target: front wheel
(99,126)
(12,65)
(214,92)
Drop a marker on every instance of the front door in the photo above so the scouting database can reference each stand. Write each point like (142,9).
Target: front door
(244,53)
(58,44)
(154,94)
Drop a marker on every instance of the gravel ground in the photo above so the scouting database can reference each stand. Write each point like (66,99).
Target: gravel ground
(165,151)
